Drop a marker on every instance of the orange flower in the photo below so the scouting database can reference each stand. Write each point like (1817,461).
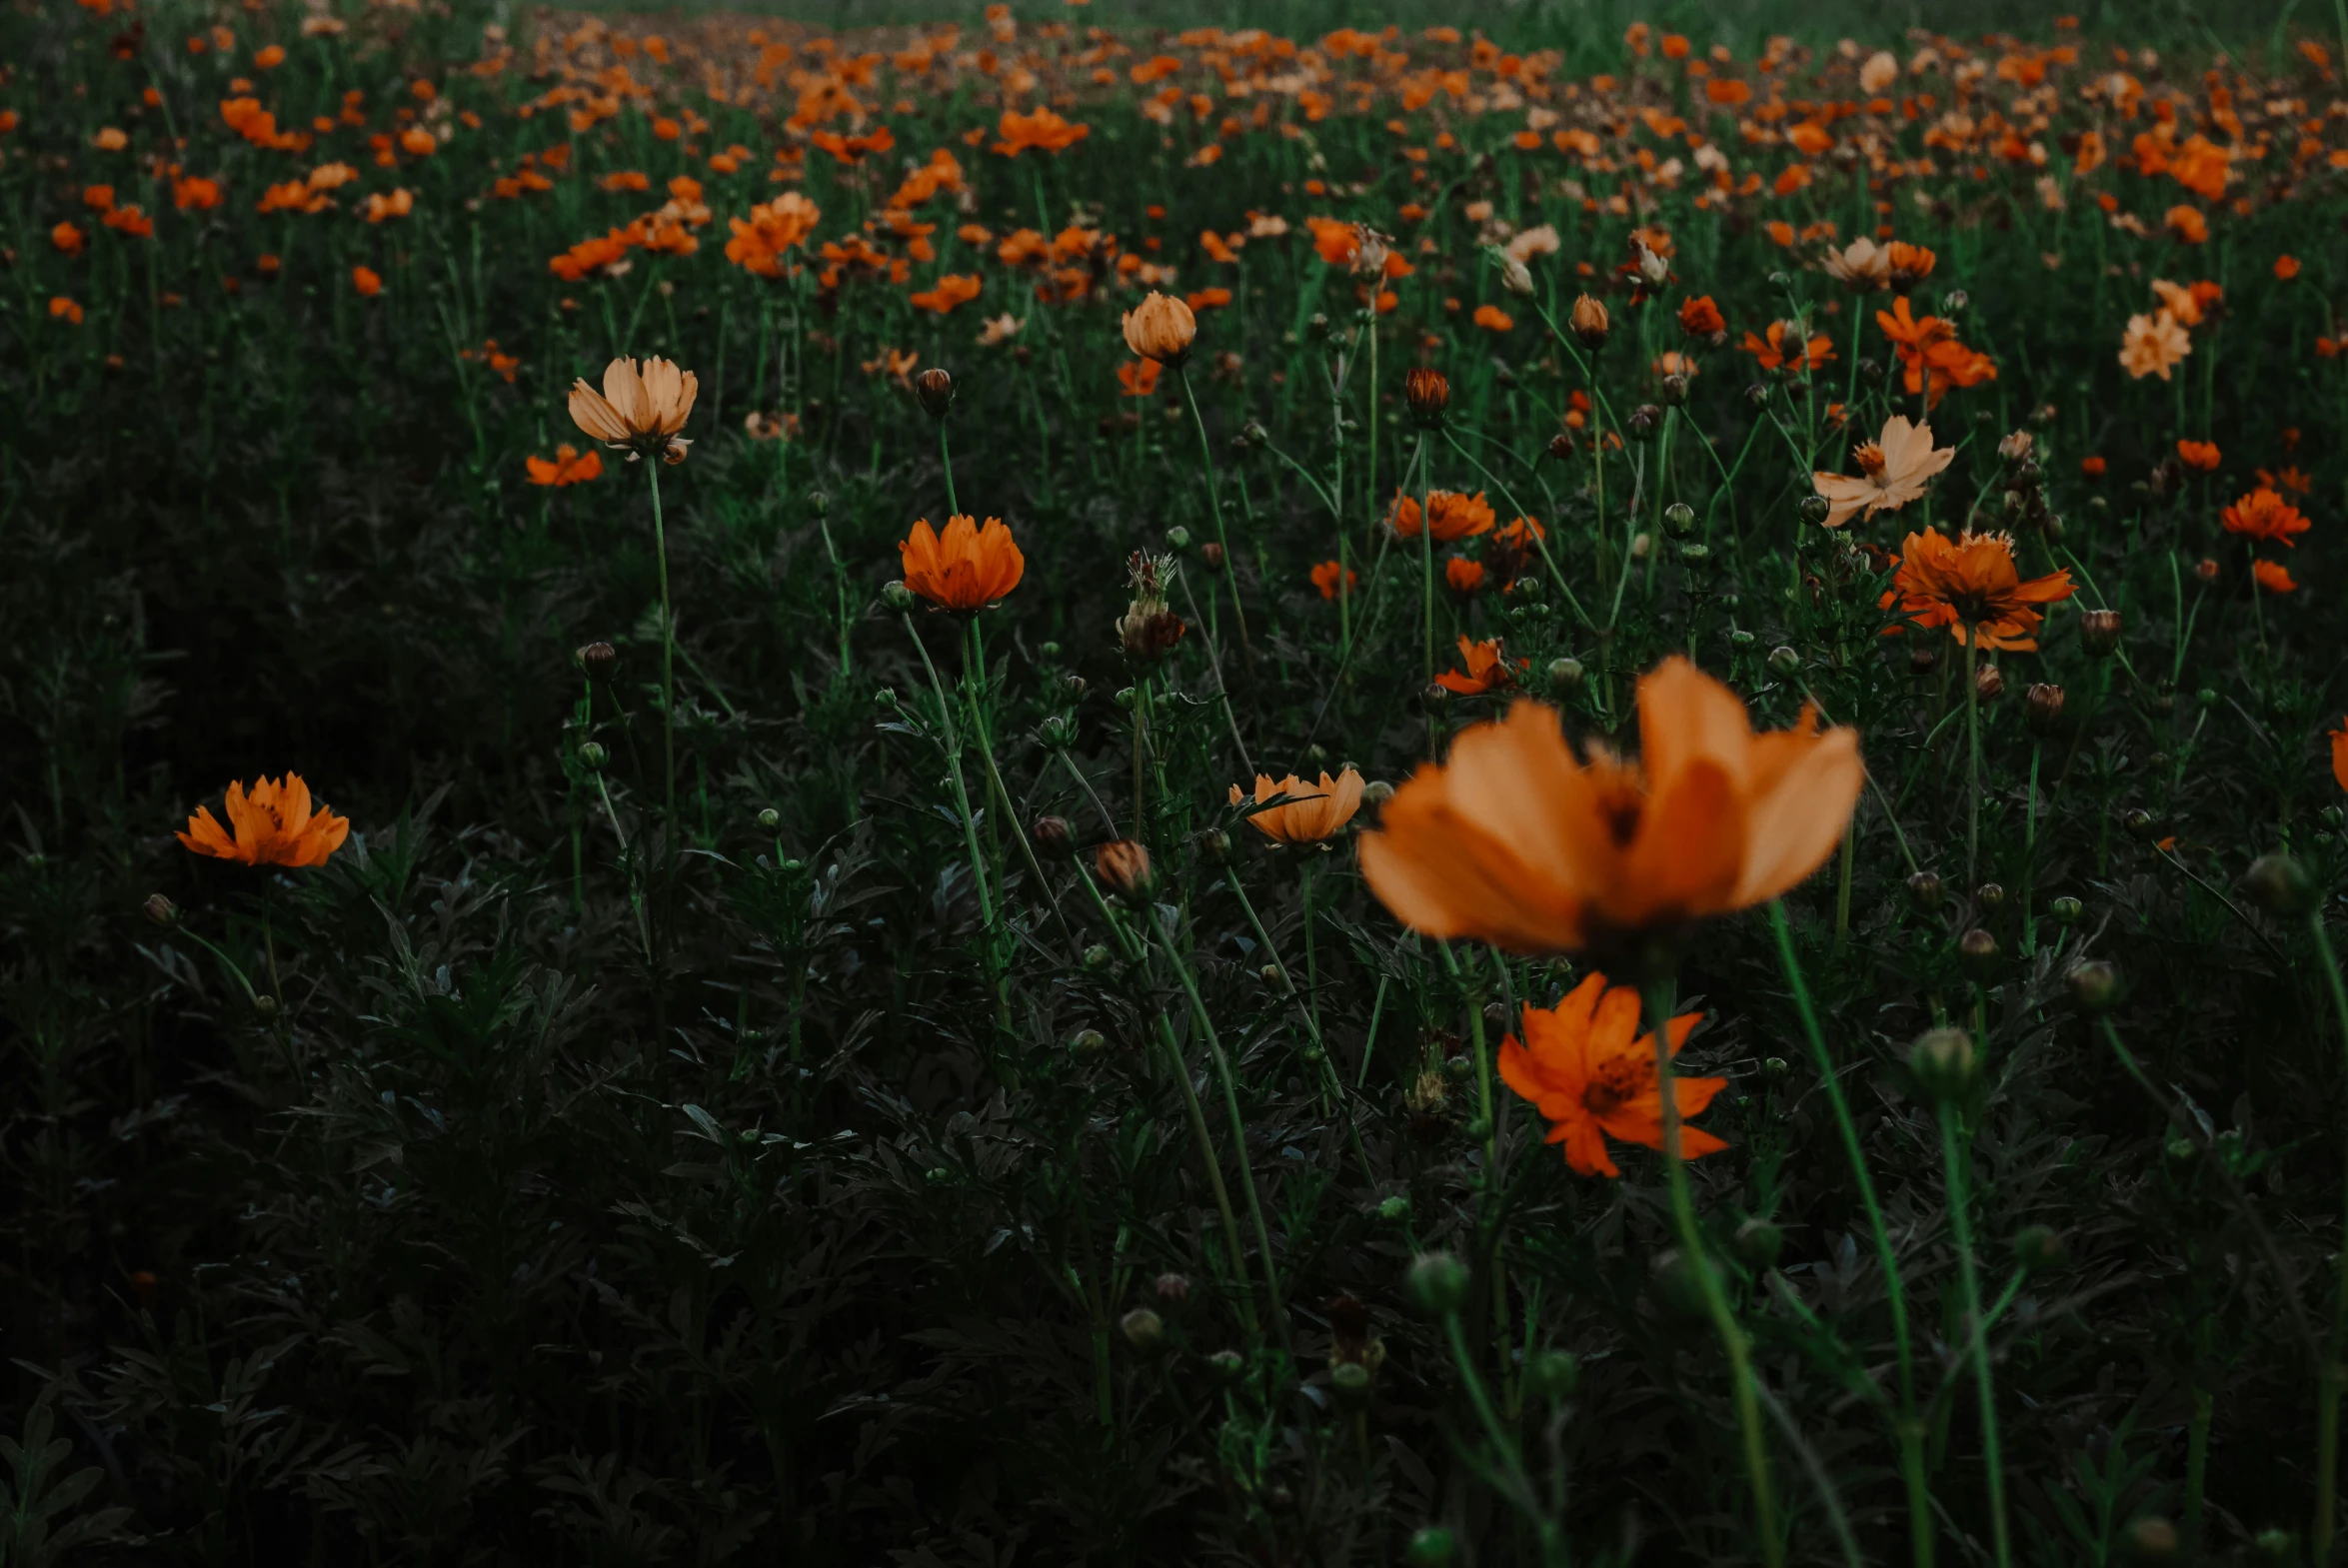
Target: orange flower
(1774,352)
(1042,130)
(2092,467)
(2340,754)
(1137,378)
(1493,319)
(367,281)
(1515,841)
(1589,1071)
(1160,329)
(1311,813)
(952,290)
(638,411)
(967,568)
(2264,514)
(1893,469)
(568,466)
(771,229)
(64,309)
(1457,515)
(195,194)
(2273,576)
(1700,316)
(2153,346)
(2199,454)
(1969,584)
(1324,577)
(2188,224)
(2286,268)
(1487,670)
(275,825)
(1910,264)
(1464,576)
(68,239)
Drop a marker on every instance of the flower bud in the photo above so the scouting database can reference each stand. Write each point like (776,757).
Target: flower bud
(1675,387)
(1923,658)
(1989,896)
(1074,688)
(1433,1546)
(1427,391)
(1641,545)
(161,911)
(1696,553)
(1988,684)
(1924,890)
(2099,631)
(1211,556)
(818,502)
(1978,955)
(1172,1290)
(1645,420)
(1057,731)
(2151,1539)
(1224,1366)
(769,820)
(1087,1043)
(1757,394)
(1561,446)
(1565,677)
(2279,885)
(1553,1374)
(1213,845)
(591,756)
(1757,1243)
(1177,538)
(1376,792)
(2141,823)
(2043,705)
(1944,1061)
(1097,956)
(1123,868)
(1160,328)
(1590,323)
(1784,662)
(265,1007)
(1054,838)
(2038,1248)
(596,660)
(898,597)
(1350,1382)
(1814,509)
(1436,1284)
(2095,985)
(1143,1329)
(1679,519)
(2065,912)
(933,389)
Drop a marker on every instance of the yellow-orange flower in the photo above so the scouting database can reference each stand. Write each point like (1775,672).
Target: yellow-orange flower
(1311,813)
(1517,841)
(1969,583)
(273,825)
(1042,130)
(2153,346)
(1893,470)
(640,410)
(1332,578)
(1592,1075)
(2263,514)
(965,569)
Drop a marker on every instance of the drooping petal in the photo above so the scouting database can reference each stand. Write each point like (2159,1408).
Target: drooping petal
(1793,824)
(592,413)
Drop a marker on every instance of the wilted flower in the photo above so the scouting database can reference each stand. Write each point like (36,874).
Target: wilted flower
(1148,630)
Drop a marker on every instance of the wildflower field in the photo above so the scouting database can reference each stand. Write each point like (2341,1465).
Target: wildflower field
(1042,793)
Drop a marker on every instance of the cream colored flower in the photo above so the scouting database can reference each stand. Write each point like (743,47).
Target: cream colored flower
(640,410)
(1893,469)
(1861,266)
(2153,346)
(1880,71)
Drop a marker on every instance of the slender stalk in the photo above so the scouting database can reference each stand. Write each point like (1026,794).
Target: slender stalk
(1426,575)
(1960,1227)
(651,472)
(1214,505)
(969,825)
(1972,757)
(1910,1430)
(2327,1406)
(946,462)
(1700,1263)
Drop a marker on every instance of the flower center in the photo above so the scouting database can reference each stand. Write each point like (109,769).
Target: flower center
(1870,459)
(1614,1082)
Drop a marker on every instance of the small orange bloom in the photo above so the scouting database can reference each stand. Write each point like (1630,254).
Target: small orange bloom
(63,309)
(1457,515)
(2092,467)
(2340,754)
(569,466)
(2273,576)
(1324,577)
(2188,224)
(2286,268)
(967,568)
(195,194)
(1589,1071)
(68,239)
(1493,319)
(1515,841)
(1487,669)
(2201,456)
(1700,316)
(2264,514)
(1775,353)
(1041,130)
(1137,378)
(949,291)
(1464,576)
(1311,813)
(367,281)
(1969,584)
(275,825)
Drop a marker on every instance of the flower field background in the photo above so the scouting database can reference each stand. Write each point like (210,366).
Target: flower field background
(1036,792)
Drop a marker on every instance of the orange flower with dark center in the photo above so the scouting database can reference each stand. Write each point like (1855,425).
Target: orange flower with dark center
(1487,668)
(1517,841)
(967,568)
(1592,1075)
(569,466)
(1456,515)
(1910,264)
(1310,814)
(2200,455)
(273,825)
(1041,130)
(2264,514)
(1970,585)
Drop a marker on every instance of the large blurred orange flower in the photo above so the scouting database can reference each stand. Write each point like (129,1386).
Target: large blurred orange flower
(1893,469)
(1517,841)
(273,825)
(1311,813)
(965,569)
(1970,583)
(1589,1071)
(640,410)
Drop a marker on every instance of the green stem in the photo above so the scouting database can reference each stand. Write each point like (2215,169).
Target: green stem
(1214,505)
(1960,1226)
(2327,1408)
(652,471)
(1972,759)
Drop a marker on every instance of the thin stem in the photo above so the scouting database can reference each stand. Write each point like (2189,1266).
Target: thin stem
(2327,1409)
(1972,759)
(1214,505)
(1960,1226)
(651,472)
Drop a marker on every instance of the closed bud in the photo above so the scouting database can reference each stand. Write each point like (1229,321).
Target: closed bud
(1172,1290)
(1680,517)
(1054,838)
(591,756)
(2141,823)
(1757,1243)
(1989,896)
(1645,420)
(1436,1284)
(2279,884)
(1923,658)
(1561,446)
(265,1007)
(933,389)
(1675,387)
(597,659)
(1350,1382)
(1432,1546)
(1784,662)
(1211,556)
(1590,323)
(1554,1374)
(1757,394)
(1641,545)
(1775,1068)
(1143,1329)
(1978,955)
(1224,1366)
(1924,890)
(1087,1043)
(769,820)
(1944,1061)
(1074,688)
(1177,538)
(1097,956)
(1057,731)
(2095,985)
(1160,328)
(1696,553)
(898,597)
(2043,705)
(2151,1540)
(1814,509)
(1565,677)
(1215,846)
(1436,696)
(2099,631)
(818,502)
(1427,391)
(1376,792)
(2066,911)
(2038,1248)
(1988,682)
(1123,868)
(161,911)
